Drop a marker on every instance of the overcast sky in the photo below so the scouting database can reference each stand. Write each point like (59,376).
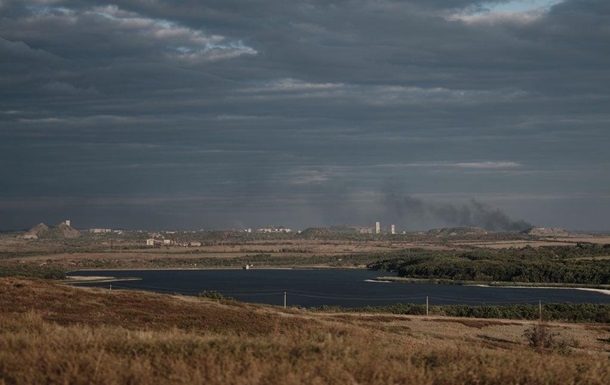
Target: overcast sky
(188,114)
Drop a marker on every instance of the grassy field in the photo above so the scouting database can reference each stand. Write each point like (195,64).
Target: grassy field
(230,250)
(55,334)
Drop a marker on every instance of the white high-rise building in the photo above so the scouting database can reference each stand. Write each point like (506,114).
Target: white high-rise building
(393,229)
(67,222)
(377,228)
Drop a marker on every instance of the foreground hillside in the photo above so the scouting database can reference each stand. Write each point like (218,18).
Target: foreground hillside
(55,334)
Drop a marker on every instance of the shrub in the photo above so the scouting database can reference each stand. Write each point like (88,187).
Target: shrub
(213,294)
(540,337)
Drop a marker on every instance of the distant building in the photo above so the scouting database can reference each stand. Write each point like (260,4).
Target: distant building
(364,230)
(150,242)
(393,229)
(272,229)
(194,244)
(67,222)
(377,228)
(99,231)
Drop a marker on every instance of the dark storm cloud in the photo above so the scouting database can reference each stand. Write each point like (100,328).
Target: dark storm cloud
(223,112)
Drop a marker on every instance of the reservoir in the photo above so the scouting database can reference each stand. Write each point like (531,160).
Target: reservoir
(314,288)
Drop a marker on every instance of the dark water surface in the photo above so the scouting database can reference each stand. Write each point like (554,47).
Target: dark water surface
(349,288)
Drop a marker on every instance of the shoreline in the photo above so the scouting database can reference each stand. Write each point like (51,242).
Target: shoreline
(78,279)
(219,268)
(602,289)
(596,290)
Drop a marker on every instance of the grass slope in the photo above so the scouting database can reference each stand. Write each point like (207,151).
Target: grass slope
(55,334)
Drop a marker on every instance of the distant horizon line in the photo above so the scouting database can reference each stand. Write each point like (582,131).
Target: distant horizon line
(255,229)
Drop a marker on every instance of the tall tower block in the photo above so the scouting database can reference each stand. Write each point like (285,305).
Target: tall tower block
(393,229)
(377,228)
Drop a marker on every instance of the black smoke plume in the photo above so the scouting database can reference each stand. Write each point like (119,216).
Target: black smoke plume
(408,209)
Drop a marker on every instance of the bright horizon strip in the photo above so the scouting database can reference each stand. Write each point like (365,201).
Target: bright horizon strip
(521,5)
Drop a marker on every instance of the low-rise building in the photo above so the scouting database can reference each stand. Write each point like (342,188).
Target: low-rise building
(272,229)
(100,231)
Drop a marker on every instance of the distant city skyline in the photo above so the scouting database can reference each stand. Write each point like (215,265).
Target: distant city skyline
(185,115)
(376,228)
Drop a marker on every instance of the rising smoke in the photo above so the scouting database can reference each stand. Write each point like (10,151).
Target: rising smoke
(403,209)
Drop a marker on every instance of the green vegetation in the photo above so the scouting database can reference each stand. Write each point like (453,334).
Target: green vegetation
(213,294)
(570,312)
(540,337)
(30,271)
(581,264)
(22,254)
(564,312)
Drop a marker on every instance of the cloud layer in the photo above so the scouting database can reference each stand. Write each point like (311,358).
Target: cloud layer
(191,114)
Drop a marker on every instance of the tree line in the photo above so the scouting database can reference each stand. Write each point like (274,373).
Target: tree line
(583,263)
(561,312)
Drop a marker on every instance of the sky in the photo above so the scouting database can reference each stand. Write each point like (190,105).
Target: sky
(217,114)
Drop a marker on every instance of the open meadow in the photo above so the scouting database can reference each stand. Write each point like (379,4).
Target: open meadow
(231,249)
(56,334)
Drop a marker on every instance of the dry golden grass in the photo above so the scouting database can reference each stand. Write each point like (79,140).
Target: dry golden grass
(127,253)
(55,334)
(131,254)
(538,242)
(93,254)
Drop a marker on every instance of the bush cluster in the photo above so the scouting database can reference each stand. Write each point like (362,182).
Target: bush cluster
(565,312)
(552,264)
(28,271)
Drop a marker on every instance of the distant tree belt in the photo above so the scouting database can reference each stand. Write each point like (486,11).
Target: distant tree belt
(567,312)
(581,264)
(28,271)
